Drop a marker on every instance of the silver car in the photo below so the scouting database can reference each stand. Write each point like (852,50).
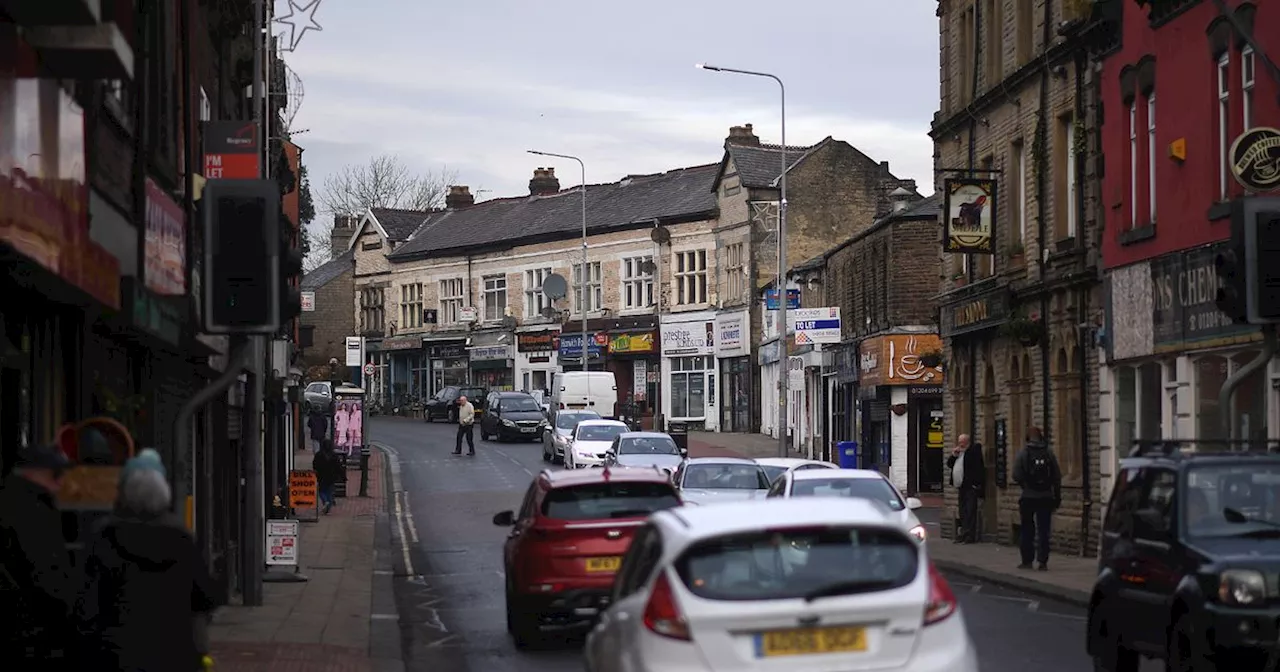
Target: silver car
(710,480)
(558,432)
(645,449)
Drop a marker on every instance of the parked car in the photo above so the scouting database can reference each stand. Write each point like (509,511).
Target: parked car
(567,542)
(645,449)
(444,405)
(1188,562)
(777,466)
(512,416)
(590,441)
(711,480)
(558,432)
(319,396)
(781,585)
(857,483)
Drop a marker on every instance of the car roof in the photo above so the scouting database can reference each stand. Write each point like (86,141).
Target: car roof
(828,474)
(644,435)
(786,461)
(722,460)
(561,478)
(508,393)
(700,522)
(601,422)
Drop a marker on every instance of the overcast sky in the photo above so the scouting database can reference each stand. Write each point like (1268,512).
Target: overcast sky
(472,84)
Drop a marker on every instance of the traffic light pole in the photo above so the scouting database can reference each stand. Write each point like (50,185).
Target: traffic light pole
(1226,398)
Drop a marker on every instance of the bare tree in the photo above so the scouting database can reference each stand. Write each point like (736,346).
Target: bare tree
(384,182)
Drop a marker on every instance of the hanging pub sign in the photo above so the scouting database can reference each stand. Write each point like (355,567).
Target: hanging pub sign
(1255,159)
(969,213)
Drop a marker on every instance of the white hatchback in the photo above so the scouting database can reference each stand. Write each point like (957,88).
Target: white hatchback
(779,585)
(860,483)
(590,441)
(777,466)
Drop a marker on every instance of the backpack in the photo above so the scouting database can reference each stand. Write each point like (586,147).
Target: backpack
(1039,475)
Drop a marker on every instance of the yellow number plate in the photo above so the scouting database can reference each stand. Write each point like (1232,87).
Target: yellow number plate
(810,641)
(604,564)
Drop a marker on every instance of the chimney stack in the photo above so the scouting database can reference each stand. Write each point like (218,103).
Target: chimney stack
(459,197)
(344,226)
(742,135)
(544,182)
(900,198)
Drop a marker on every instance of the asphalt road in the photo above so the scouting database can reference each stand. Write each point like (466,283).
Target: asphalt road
(449,583)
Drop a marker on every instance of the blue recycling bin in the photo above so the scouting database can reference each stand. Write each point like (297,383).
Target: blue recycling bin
(848,454)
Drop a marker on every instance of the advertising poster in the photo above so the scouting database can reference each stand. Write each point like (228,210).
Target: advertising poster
(348,425)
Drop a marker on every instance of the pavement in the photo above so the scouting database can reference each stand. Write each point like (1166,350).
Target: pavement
(342,618)
(449,577)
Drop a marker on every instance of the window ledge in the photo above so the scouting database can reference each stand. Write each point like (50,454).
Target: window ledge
(1137,234)
(1219,211)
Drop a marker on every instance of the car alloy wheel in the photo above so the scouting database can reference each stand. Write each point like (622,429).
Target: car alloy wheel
(1109,654)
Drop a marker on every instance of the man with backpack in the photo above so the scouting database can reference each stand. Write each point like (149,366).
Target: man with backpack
(1036,470)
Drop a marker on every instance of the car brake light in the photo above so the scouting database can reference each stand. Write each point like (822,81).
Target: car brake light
(662,614)
(942,601)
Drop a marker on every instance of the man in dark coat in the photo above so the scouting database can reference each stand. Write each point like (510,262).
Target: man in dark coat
(36,587)
(318,423)
(328,470)
(1036,470)
(969,476)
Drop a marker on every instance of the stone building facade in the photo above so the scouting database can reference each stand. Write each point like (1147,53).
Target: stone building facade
(1018,321)
(331,286)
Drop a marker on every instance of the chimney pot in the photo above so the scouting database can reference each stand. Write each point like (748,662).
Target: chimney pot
(544,182)
(742,135)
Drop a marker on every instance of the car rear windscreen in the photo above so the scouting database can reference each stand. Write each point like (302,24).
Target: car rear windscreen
(600,432)
(616,499)
(712,476)
(876,489)
(521,404)
(799,562)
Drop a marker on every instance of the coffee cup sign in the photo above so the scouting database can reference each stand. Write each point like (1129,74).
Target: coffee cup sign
(897,360)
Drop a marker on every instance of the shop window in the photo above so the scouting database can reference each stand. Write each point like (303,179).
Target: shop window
(1068,407)
(1250,403)
(1139,394)
(689,386)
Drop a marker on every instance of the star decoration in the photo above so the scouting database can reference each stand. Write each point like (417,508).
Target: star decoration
(300,19)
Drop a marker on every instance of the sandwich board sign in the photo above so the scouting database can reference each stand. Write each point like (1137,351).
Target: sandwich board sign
(282,543)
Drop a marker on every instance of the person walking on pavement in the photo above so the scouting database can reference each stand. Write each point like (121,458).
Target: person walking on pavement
(969,476)
(466,425)
(328,470)
(318,423)
(36,587)
(1036,471)
(146,585)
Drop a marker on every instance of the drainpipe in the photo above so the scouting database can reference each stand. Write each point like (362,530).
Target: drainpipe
(1042,132)
(972,160)
(1083,332)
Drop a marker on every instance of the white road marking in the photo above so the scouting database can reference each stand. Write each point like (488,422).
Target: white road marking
(518,463)
(408,514)
(1033,605)
(384,617)
(404,517)
(440,642)
(404,540)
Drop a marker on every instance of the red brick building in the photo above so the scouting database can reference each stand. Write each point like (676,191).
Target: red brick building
(1182,83)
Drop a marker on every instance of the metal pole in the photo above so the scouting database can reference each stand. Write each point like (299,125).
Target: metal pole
(658,416)
(582,277)
(1227,395)
(783,384)
(252,526)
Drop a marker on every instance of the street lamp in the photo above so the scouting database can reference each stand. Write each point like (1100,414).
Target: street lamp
(582,277)
(782,253)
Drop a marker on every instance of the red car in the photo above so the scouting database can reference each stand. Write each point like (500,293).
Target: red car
(567,543)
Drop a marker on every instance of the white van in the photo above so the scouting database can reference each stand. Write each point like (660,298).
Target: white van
(590,390)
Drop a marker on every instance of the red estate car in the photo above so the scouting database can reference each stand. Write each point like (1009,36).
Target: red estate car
(567,542)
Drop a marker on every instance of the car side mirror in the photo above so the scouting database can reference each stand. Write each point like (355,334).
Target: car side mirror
(914,503)
(504,519)
(684,452)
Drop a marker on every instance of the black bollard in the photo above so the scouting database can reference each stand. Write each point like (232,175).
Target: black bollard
(364,471)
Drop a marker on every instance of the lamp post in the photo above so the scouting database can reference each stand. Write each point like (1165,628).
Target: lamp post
(782,255)
(582,277)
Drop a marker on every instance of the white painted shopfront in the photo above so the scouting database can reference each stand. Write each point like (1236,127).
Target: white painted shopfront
(689,371)
(536,358)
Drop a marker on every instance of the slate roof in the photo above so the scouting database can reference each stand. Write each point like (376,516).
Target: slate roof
(399,224)
(680,193)
(925,208)
(759,166)
(328,271)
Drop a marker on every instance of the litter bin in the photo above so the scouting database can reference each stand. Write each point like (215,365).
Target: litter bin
(679,432)
(847,454)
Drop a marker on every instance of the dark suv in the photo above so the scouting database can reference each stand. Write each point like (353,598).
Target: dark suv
(444,406)
(567,542)
(1189,569)
(512,415)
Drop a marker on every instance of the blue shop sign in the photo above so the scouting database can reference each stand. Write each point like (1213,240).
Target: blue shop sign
(571,345)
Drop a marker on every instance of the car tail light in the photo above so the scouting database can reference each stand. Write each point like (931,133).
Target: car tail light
(662,614)
(942,601)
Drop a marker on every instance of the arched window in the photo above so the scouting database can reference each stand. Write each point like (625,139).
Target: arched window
(1249,412)
(1067,406)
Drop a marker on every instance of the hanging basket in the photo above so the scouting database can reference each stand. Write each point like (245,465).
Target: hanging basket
(1025,331)
(932,360)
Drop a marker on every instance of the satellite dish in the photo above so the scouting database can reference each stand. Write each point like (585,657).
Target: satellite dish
(549,312)
(660,235)
(555,287)
(648,267)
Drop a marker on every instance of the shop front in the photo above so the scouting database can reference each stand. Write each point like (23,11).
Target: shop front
(406,374)
(900,385)
(571,350)
(492,367)
(537,360)
(770,381)
(689,370)
(733,350)
(633,359)
(841,391)
(449,363)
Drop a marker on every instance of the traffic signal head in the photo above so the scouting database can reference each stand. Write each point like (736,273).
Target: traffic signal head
(241,257)
(290,272)
(1255,233)
(1231,292)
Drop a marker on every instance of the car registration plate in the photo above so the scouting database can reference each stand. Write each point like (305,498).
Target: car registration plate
(528,430)
(810,641)
(576,405)
(610,564)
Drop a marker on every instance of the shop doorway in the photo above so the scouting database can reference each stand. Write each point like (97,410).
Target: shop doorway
(735,395)
(929,447)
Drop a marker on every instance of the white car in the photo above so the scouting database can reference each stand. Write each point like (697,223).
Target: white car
(589,444)
(779,585)
(858,483)
(711,480)
(777,466)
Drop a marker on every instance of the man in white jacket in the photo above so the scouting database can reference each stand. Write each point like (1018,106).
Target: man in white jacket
(969,476)
(466,423)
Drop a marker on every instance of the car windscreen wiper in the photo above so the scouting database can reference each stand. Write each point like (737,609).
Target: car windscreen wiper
(848,588)
(1234,516)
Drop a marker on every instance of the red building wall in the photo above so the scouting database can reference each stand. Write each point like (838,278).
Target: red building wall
(1186,109)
